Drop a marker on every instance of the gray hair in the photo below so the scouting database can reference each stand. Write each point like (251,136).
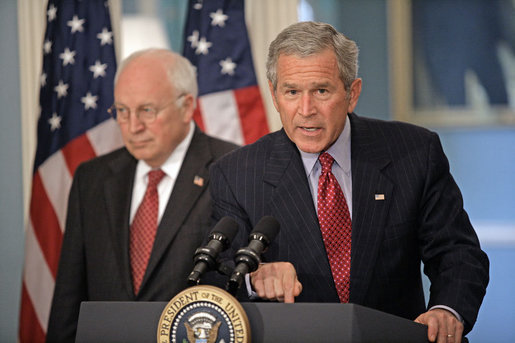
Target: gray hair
(309,38)
(180,72)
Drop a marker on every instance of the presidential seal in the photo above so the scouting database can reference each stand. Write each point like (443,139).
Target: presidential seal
(203,314)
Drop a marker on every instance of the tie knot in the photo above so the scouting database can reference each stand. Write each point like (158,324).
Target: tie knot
(154,177)
(326,160)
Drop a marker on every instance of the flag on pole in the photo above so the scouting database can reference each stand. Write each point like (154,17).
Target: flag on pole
(76,91)
(217,44)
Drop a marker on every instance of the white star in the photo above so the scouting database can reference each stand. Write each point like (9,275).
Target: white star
(106,37)
(203,46)
(198,5)
(61,89)
(67,56)
(89,101)
(42,80)
(219,18)
(55,122)
(228,66)
(193,39)
(98,69)
(76,24)
(51,13)
(47,47)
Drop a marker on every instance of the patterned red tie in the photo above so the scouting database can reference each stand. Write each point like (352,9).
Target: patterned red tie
(143,229)
(336,226)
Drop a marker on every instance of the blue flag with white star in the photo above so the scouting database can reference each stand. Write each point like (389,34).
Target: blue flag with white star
(78,69)
(217,43)
(76,91)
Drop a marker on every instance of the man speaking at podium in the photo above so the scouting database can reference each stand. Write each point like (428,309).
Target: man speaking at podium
(361,202)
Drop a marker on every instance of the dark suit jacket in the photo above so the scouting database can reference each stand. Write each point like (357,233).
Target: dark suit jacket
(94,262)
(420,219)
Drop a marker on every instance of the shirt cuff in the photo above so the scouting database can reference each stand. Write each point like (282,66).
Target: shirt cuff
(250,292)
(456,314)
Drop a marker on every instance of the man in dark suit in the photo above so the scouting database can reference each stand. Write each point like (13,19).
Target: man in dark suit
(397,203)
(155,97)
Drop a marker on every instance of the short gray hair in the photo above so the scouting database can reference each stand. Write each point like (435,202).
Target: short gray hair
(309,38)
(180,72)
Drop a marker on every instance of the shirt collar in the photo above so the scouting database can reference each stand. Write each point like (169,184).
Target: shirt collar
(173,164)
(340,150)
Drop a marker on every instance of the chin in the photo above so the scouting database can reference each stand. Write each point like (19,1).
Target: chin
(311,145)
(139,155)
(309,148)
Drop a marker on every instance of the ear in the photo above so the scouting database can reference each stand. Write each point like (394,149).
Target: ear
(272,93)
(355,91)
(188,108)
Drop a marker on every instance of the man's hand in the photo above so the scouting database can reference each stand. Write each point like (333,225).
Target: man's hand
(443,326)
(276,281)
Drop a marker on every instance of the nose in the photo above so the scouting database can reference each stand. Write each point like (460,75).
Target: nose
(306,107)
(135,124)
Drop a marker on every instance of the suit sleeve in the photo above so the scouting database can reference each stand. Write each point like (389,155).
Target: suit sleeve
(453,259)
(225,203)
(71,284)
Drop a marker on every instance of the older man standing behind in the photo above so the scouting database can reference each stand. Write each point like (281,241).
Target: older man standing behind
(136,215)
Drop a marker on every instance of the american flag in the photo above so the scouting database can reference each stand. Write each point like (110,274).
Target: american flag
(216,42)
(76,91)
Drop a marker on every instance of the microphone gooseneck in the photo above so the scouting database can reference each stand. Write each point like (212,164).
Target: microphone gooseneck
(219,239)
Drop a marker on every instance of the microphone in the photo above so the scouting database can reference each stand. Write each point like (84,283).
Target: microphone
(219,239)
(248,259)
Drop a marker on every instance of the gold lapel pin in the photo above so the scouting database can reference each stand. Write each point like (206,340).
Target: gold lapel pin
(379,197)
(199,181)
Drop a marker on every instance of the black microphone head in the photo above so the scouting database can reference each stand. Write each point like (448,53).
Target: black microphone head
(205,257)
(268,226)
(227,227)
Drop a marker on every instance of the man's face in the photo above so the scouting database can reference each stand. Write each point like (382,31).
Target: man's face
(144,83)
(312,100)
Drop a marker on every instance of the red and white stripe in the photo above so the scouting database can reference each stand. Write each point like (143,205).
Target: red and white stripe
(45,227)
(235,115)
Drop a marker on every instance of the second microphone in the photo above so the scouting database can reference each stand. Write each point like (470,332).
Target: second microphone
(248,259)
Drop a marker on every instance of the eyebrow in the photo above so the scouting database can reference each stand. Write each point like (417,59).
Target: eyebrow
(139,106)
(321,85)
(314,85)
(289,85)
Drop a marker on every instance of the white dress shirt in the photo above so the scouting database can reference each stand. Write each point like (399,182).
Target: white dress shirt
(171,168)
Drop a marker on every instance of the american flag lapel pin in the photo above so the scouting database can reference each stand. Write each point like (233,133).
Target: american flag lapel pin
(379,196)
(199,181)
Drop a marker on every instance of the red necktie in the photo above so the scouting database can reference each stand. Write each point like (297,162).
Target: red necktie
(336,226)
(143,229)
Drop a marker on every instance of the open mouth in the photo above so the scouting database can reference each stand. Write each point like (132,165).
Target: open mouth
(310,128)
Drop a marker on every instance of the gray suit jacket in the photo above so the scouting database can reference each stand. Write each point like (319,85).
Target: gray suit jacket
(94,264)
(420,219)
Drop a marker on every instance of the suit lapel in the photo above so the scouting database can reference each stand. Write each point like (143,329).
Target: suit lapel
(286,173)
(184,196)
(368,161)
(118,197)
